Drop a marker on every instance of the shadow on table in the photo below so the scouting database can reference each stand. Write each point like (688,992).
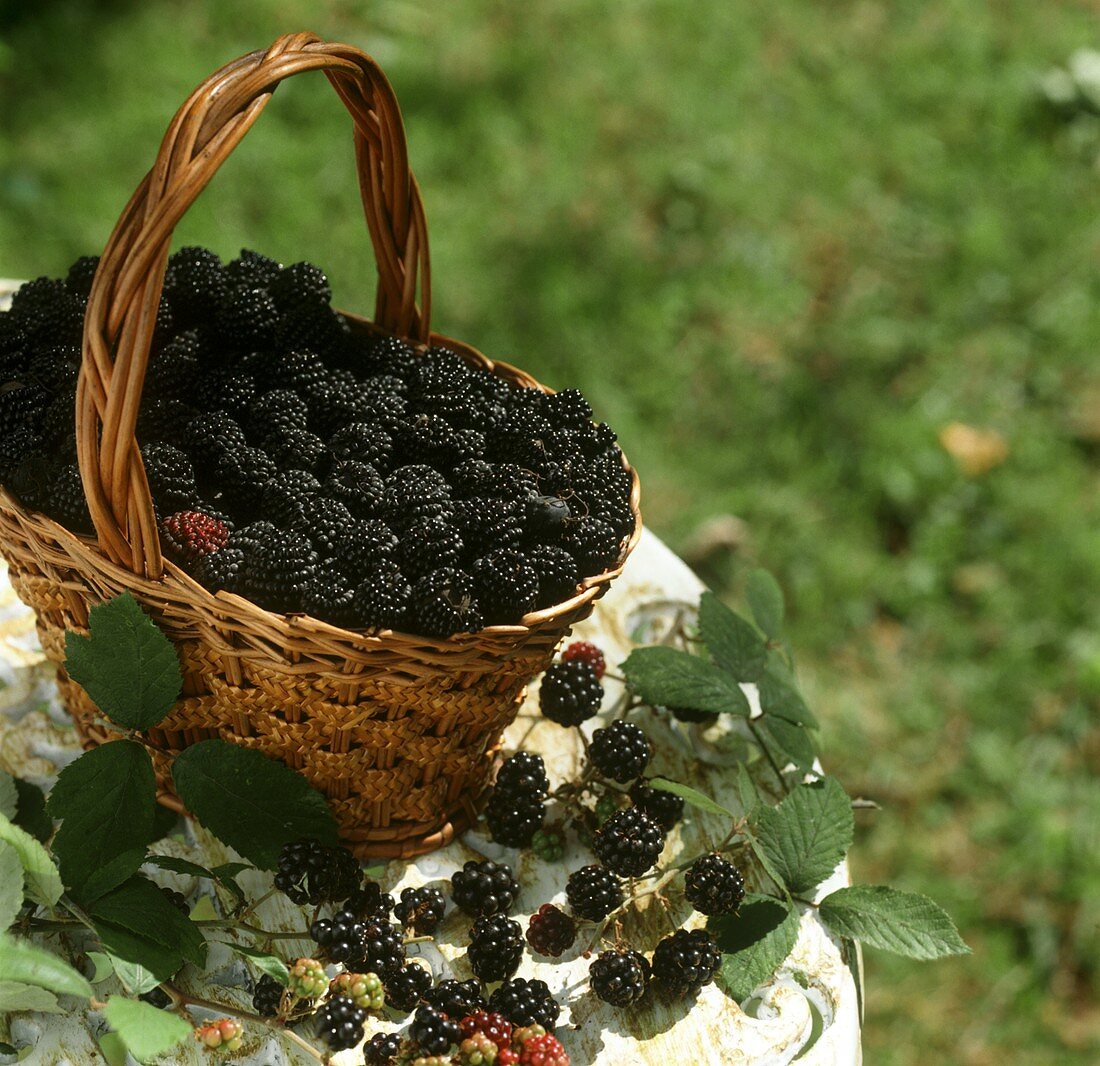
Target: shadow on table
(591,1019)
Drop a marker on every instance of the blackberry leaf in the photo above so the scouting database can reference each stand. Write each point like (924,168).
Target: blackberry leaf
(754,942)
(734,643)
(671,678)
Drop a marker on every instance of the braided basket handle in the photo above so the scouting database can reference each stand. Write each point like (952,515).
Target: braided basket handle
(122,308)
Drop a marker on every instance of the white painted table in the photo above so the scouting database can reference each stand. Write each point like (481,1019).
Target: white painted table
(809,1010)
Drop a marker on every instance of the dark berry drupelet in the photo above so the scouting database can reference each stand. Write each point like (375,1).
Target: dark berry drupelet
(433,1032)
(665,808)
(526,1003)
(456,999)
(382,1049)
(629,842)
(621,751)
(557,573)
(278,568)
(295,449)
(713,885)
(593,543)
(428,544)
(513,819)
(685,961)
(363,442)
(369,901)
(570,693)
(406,986)
(339,1023)
(523,773)
(586,652)
(171,477)
(314,873)
(242,475)
(619,977)
(484,888)
(506,585)
(356,485)
(443,604)
(551,932)
(415,491)
(248,318)
(221,570)
(496,947)
(421,909)
(593,892)
(330,596)
(268,997)
(382,599)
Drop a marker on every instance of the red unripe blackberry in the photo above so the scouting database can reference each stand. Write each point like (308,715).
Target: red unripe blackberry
(619,977)
(406,986)
(545,1050)
(665,808)
(421,909)
(496,947)
(526,1003)
(514,819)
(713,885)
(593,892)
(495,1026)
(629,842)
(456,999)
(621,751)
(586,652)
(570,693)
(339,1023)
(484,888)
(685,961)
(433,1032)
(523,773)
(189,535)
(551,932)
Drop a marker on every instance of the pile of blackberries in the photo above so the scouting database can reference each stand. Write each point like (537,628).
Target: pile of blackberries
(312,467)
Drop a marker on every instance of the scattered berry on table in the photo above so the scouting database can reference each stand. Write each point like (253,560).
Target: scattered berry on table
(421,909)
(621,751)
(523,773)
(457,999)
(382,1049)
(496,947)
(629,842)
(513,819)
(713,885)
(525,1002)
(407,986)
(484,888)
(339,1023)
(433,1032)
(570,693)
(223,1034)
(593,892)
(665,808)
(619,977)
(550,931)
(268,996)
(308,979)
(312,872)
(586,652)
(363,989)
(685,961)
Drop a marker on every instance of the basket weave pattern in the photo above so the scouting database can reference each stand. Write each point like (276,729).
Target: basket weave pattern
(397,730)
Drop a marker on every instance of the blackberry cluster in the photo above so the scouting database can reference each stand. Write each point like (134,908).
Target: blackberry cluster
(665,808)
(685,961)
(382,1049)
(456,999)
(629,842)
(421,909)
(339,1023)
(370,946)
(496,946)
(267,997)
(407,986)
(311,872)
(262,402)
(433,1032)
(593,892)
(619,977)
(551,931)
(526,1003)
(484,888)
(713,885)
(621,751)
(570,693)
(516,808)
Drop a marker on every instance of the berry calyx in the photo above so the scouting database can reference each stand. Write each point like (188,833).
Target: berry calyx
(550,931)
(713,885)
(363,989)
(586,652)
(223,1034)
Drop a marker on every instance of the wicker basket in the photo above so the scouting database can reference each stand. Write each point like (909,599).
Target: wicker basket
(398,731)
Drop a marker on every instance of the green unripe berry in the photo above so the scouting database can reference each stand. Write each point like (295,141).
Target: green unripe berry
(364,989)
(548,845)
(308,979)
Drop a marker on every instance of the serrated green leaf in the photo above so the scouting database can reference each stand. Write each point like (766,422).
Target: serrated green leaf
(111,875)
(145,1030)
(905,923)
(852,960)
(105,801)
(140,907)
(179,866)
(691,795)
(113,1049)
(140,952)
(127,665)
(746,789)
(17,996)
(791,741)
(753,942)
(11,885)
(779,696)
(135,978)
(734,643)
(9,798)
(102,966)
(765,861)
(42,882)
(765,601)
(31,812)
(668,677)
(252,803)
(807,834)
(26,963)
(272,965)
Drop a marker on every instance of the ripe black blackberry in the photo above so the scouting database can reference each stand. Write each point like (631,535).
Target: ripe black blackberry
(300,285)
(173,372)
(433,1032)
(592,543)
(286,497)
(526,1003)
(593,892)
(277,411)
(523,773)
(209,437)
(619,977)
(313,328)
(21,406)
(80,275)
(295,449)
(551,932)
(241,475)
(557,573)
(421,909)
(369,901)
(426,545)
(513,819)
(685,961)
(171,477)
(268,996)
(278,569)
(568,408)
(366,545)
(356,485)
(339,1023)
(382,1049)
(314,873)
(406,986)
(415,491)
(166,421)
(665,808)
(506,585)
(570,693)
(547,517)
(443,603)
(48,313)
(328,522)
(302,372)
(484,888)
(389,355)
(225,389)
(490,523)
(713,885)
(496,947)
(25,468)
(251,270)
(68,504)
(54,368)
(365,442)
(621,751)
(330,596)
(629,842)
(336,403)
(247,318)
(194,285)
(456,999)
(521,438)
(427,439)
(223,569)
(383,598)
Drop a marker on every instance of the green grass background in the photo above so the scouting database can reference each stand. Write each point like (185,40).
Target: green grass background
(780,246)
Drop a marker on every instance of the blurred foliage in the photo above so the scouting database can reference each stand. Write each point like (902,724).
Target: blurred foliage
(830,268)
